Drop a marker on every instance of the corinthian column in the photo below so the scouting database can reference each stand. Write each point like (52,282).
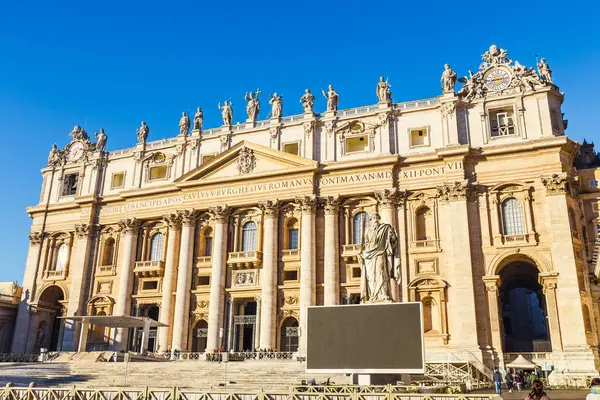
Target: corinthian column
(307,263)
(387,202)
(129,228)
(331,250)
(220,217)
(184,277)
(173,220)
(269,275)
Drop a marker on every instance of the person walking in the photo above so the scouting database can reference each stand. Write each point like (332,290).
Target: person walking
(537,391)
(509,381)
(594,390)
(498,381)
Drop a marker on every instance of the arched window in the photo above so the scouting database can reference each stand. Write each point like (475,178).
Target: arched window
(156,247)
(249,236)
(427,315)
(61,257)
(108,254)
(292,233)
(208,241)
(424,224)
(289,335)
(512,217)
(360,221)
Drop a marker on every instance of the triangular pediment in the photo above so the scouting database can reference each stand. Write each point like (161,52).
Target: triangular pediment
(248,160)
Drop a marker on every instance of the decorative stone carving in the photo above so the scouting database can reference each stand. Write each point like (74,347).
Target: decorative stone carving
(453,191)
(83,230)
(246,161)
(129,226)
(219,214)
(384,118)
(226,112)
(544,71)
(252,105)
(331,204)
(309,129)
(270,208)
(292,300)
(387,197)
(448,79)
(308,101)
(245,278)
(198,119)
(379,260)
(330,127)
(224,142)
(203,303)
(55,157)
(189,217)
(36,237)
(447,109)
(101,138)
(306,204)
(556,184)
(184,124)
(383,91)
(401,197)
(332,99)
(275,131)
(495,56)
(142,133)
(276,102)
(79,134)
(172,220)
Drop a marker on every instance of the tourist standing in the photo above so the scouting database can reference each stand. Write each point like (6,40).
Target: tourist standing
(519,381)
(498,381)
(594,390)
(537,391)
(509,381)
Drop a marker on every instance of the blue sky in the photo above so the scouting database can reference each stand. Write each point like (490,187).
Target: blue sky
(113,64)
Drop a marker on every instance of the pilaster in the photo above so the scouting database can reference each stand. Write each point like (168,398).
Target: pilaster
(331,251)
(492,284)
(306,204)
(266,321)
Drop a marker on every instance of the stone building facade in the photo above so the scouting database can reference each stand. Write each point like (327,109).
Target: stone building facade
(227,235)
(10,294)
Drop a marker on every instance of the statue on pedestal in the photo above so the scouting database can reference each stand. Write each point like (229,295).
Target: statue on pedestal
(332,99)
(54,156)
(184,124)
(448,79)
(253,105)
(226,112)
(142,133)
(545,71)
(308,101)
(198,117)
(379,261)
(100,140)
(276,105)
(383,91)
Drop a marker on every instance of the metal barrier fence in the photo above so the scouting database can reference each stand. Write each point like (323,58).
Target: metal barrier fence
(368,393)
(25,358)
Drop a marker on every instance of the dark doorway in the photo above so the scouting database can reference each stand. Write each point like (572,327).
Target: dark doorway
(48,333)
(289,335)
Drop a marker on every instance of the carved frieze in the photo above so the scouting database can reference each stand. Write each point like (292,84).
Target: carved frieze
(246,161)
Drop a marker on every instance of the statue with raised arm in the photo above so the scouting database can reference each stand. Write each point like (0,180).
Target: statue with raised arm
(379,261)
(383,91)
(276,105)
(226,112)
(184,124)
(332,99)
(253,105)
(142,133)
(308,101)
(100,140)
(545,71)
(448,79)
(198,119)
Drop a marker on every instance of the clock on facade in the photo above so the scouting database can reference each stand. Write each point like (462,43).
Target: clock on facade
(76,151)
(497,79)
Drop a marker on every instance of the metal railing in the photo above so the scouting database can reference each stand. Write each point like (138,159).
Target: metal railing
(366,393)
(15,358)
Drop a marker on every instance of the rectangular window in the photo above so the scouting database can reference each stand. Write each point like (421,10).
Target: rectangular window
(290,275)
(502,123)
(293,238)
(118,180)
(70,184)
(291,148)
(159,172)
(150,285)
(356,272)
(357,144)
(203,280)
(208,246)
(419,137)
(592,183)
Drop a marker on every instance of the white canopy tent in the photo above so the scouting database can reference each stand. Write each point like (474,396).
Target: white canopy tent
(521,363)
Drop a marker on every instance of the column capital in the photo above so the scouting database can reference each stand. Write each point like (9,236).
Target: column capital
(387,197)
(331,204)
(306,204)
(556,183)
(219,214)
(455,191)
(548,280)
(492,282)
(257,299)
(173,220)
(270,208)
(129,225)
(188,217)
(84,230)
(36,237)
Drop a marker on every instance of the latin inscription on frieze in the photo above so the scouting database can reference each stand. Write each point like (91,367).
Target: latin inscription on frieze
(431,171)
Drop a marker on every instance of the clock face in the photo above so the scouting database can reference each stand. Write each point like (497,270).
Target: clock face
(75,152)
(497,79)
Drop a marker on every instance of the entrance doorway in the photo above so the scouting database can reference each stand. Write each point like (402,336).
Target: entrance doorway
(289,335)
(49,329)
(199,336)
(245,327)
(523,305)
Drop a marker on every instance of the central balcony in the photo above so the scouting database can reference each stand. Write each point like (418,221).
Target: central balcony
(350,252)
(425,245)
(149,269)
(290,255)
(245,259)
(106,270)
(203,261)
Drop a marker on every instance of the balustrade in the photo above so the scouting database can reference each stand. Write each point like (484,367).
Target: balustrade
(290,255)
(55,275)
(429,245)
(203,261)
(350,252)
(155,268)
(245,259)
(106,270)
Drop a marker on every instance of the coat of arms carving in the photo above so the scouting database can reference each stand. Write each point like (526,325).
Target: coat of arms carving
(246,161)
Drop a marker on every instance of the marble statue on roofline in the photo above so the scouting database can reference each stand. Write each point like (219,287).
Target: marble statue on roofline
(101,138)
(308,101)
(198,119)
(226,112)
(383,91)
(332,98)
(545,71)
(448,79)
(184,124)
(276,102)
(252,105)
(142,133)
